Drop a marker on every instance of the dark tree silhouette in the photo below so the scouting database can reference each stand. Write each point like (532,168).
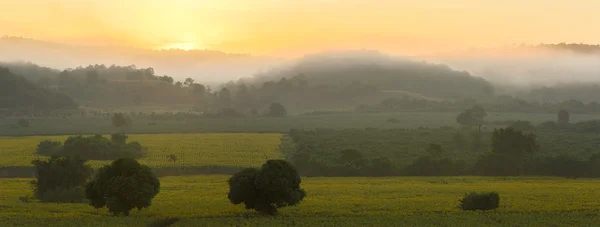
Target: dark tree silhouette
(119,120)
(277,110)
(122,186)
(563,117)
(275,185)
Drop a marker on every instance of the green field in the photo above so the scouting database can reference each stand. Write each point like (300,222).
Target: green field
(146,125)
(192,150)
(398,201)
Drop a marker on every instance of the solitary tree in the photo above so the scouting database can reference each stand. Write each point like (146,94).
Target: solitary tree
(563,117)
(119,120)
(277,110)
(123,185)
(275,185)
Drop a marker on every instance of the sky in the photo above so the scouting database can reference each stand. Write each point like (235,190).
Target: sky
(294,27)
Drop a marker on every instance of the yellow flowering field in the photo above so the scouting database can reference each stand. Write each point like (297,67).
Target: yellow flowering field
(205,149)
(395,201)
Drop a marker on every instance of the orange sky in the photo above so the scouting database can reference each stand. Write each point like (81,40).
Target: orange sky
(295,27)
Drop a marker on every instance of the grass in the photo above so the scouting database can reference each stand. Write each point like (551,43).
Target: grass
(192,150)
(397,201)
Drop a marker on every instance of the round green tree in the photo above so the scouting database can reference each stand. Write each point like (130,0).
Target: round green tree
(275,185)
(122,186)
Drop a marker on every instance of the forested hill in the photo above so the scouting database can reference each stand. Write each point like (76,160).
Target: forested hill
(386,73)
(315,82)
(18,92)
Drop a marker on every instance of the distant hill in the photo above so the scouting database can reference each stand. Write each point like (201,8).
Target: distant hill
(18,92)
(385,73)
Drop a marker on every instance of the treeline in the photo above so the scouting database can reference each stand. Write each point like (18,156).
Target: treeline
(576,47)
(502,103)
(506,152)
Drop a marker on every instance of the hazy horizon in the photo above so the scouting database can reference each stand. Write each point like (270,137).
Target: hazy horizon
(284,28)
(463,34)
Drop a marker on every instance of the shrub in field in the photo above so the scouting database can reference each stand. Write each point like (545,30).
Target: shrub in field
(49,147)
(563,117)
(275,185)
(60,179)
(122,186)
(480,201)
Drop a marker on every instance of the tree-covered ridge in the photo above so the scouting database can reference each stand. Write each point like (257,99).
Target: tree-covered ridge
(18,92)
(387,73)
(311,84)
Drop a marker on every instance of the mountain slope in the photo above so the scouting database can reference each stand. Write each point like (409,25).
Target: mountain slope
(18,92)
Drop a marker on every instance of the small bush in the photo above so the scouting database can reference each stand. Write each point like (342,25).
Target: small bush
(480,201)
